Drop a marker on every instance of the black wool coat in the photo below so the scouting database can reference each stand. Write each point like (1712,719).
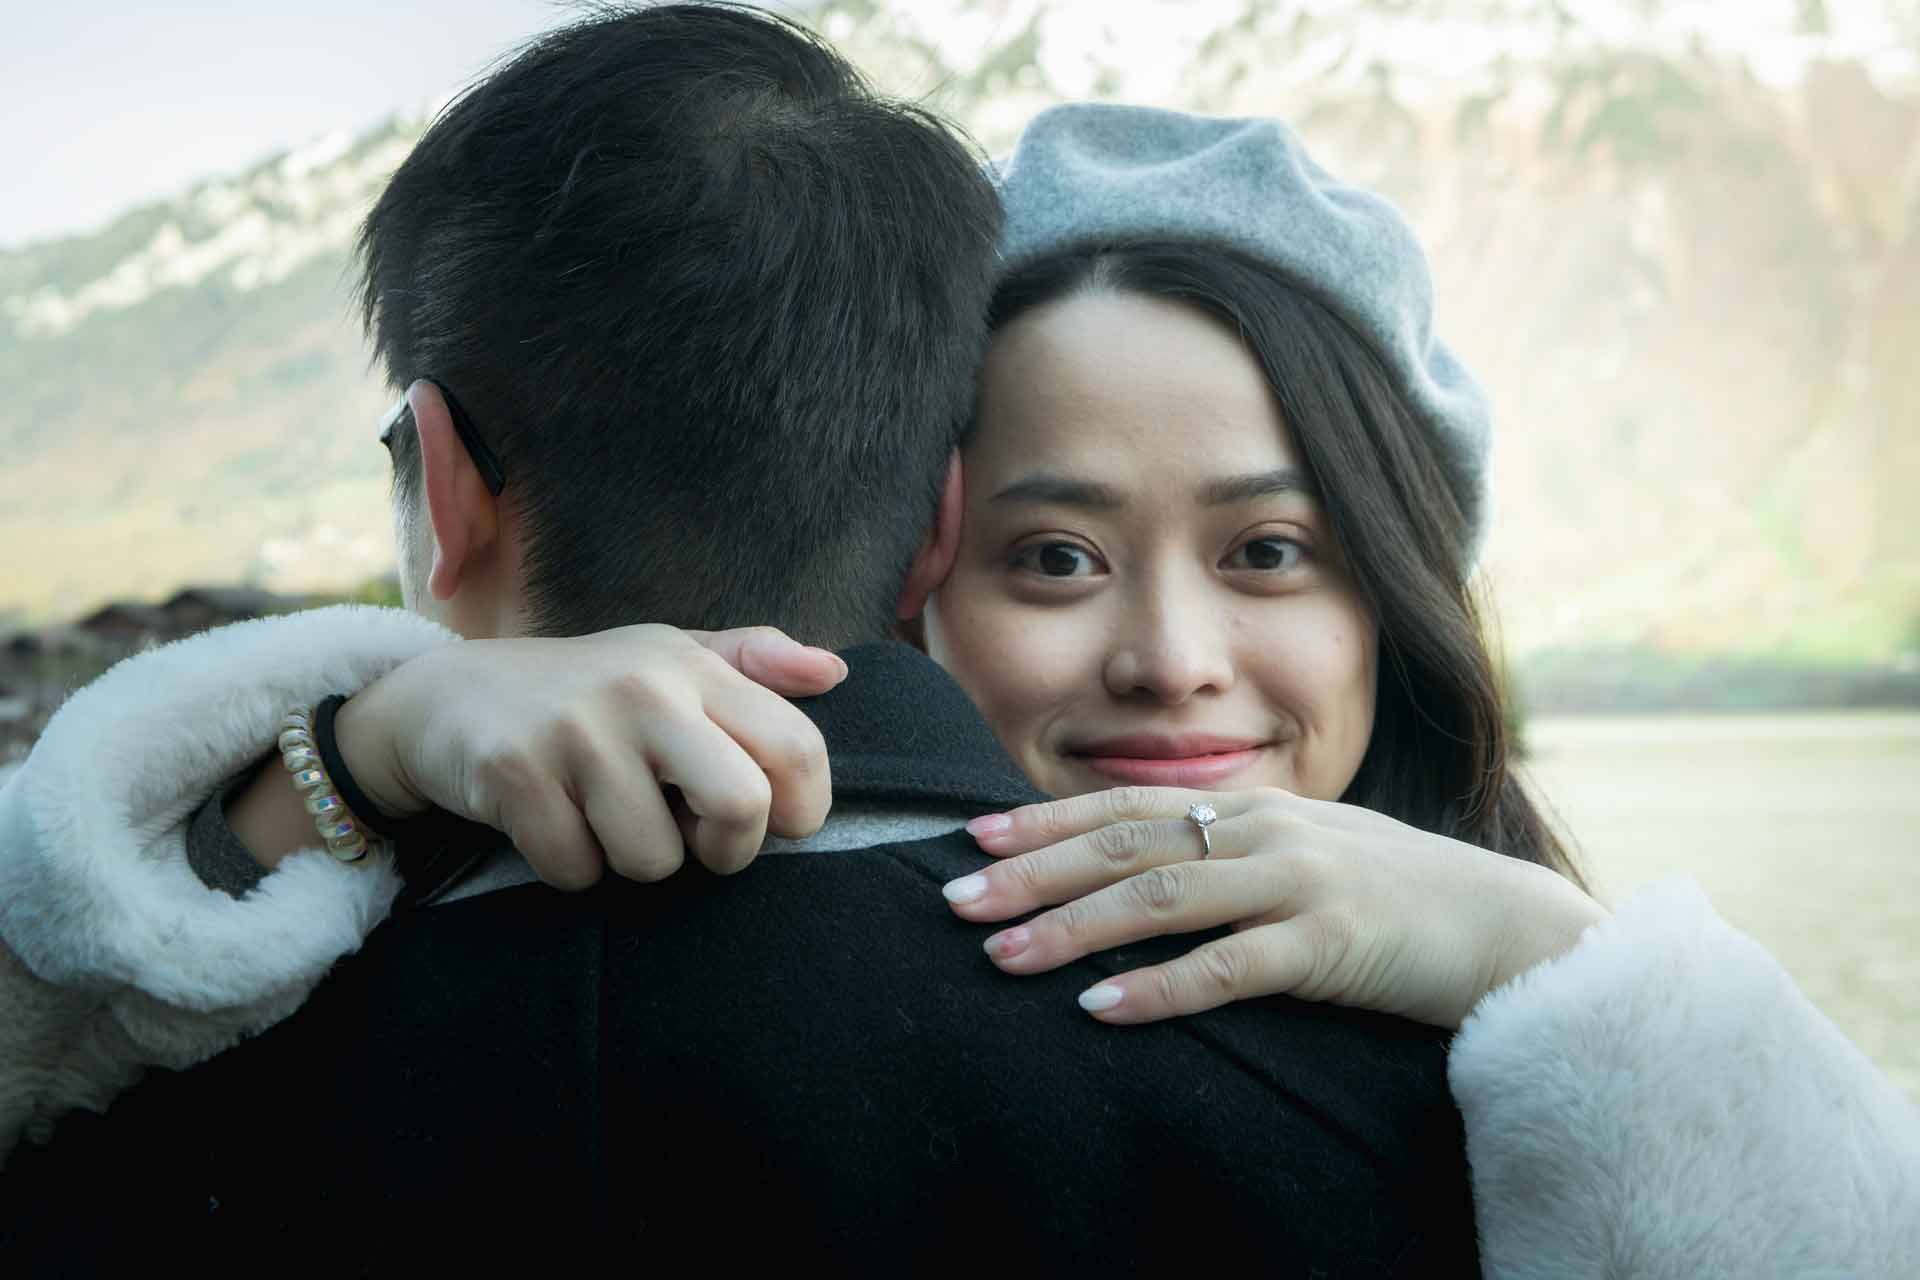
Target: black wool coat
(810,1063)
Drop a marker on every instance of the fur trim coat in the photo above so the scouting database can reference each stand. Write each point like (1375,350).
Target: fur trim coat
(1659,1101)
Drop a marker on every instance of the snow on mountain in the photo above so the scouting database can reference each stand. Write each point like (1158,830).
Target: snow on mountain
(253,230)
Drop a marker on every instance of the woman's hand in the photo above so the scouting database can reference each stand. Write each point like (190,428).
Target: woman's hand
(570,747)
(1327,901)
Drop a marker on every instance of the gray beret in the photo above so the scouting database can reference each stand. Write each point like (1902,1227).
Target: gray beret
(1090,174)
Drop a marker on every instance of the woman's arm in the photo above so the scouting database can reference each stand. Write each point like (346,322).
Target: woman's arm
(1663,1101)
(1327,902)
(118,957)
(1646,1094)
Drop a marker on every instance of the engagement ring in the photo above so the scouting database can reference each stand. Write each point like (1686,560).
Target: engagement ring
(1202,816)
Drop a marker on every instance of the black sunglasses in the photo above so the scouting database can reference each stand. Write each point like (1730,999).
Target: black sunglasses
(492,474)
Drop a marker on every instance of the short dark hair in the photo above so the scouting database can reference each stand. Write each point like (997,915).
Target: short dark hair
(716,305)
(1440,757)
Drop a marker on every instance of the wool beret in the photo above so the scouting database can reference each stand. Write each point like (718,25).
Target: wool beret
(1093,174)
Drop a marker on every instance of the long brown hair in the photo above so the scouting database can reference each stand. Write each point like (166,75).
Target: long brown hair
(1441,754)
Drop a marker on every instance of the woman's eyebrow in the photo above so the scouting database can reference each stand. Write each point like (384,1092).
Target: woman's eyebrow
(1264,484)
(1054,489)
(1057,490)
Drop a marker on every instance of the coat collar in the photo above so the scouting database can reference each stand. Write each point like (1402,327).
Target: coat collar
(900,731)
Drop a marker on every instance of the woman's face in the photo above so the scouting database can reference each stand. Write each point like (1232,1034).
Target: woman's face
(1146,589)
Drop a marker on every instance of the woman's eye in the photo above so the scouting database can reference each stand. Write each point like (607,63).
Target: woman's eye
(1267,555)
(1056,560)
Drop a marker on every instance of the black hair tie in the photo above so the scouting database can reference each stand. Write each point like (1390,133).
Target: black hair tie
(358,803)
(431,850)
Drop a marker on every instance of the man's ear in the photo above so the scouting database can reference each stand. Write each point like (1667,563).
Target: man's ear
(463,514)
(934,561)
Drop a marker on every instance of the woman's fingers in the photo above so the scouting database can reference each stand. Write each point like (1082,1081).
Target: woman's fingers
(1036,826)
(772,658)
(786,746)
(593,796)
(631,819)
(1084,863)
(529,804)
(1273,959)
(1178,898)
(577,752)
(727,792)
(1330,902)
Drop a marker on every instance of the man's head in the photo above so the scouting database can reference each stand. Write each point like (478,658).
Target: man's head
(715,308)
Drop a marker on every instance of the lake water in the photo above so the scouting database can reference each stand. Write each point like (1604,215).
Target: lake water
(1804,830)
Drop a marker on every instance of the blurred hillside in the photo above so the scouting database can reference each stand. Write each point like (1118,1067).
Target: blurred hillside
(1689,280)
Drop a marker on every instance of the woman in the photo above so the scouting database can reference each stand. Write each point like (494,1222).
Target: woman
(1266,609)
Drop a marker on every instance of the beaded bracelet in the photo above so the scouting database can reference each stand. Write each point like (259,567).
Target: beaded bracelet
(331,817)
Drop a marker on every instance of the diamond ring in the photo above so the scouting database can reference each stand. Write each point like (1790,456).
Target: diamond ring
(1203,816)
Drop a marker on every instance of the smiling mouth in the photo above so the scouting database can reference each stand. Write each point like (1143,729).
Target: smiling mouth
(1171,762)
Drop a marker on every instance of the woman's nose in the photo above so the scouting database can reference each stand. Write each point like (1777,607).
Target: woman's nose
(1171,647)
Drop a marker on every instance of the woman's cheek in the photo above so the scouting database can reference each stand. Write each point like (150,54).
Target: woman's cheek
(1020,657)
(1019,662)
(1352,677)
(1317,666)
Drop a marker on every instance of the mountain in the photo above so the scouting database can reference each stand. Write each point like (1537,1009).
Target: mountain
(1690,291)
(187,397)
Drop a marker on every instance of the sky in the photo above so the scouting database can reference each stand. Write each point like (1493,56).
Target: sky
(105,104)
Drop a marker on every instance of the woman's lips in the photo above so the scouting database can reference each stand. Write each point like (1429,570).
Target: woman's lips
(1176,762)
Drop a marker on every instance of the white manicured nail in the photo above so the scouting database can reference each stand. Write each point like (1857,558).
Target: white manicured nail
(1101,998)
(966,889)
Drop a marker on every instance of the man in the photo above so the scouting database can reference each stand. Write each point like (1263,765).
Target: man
(687,323)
